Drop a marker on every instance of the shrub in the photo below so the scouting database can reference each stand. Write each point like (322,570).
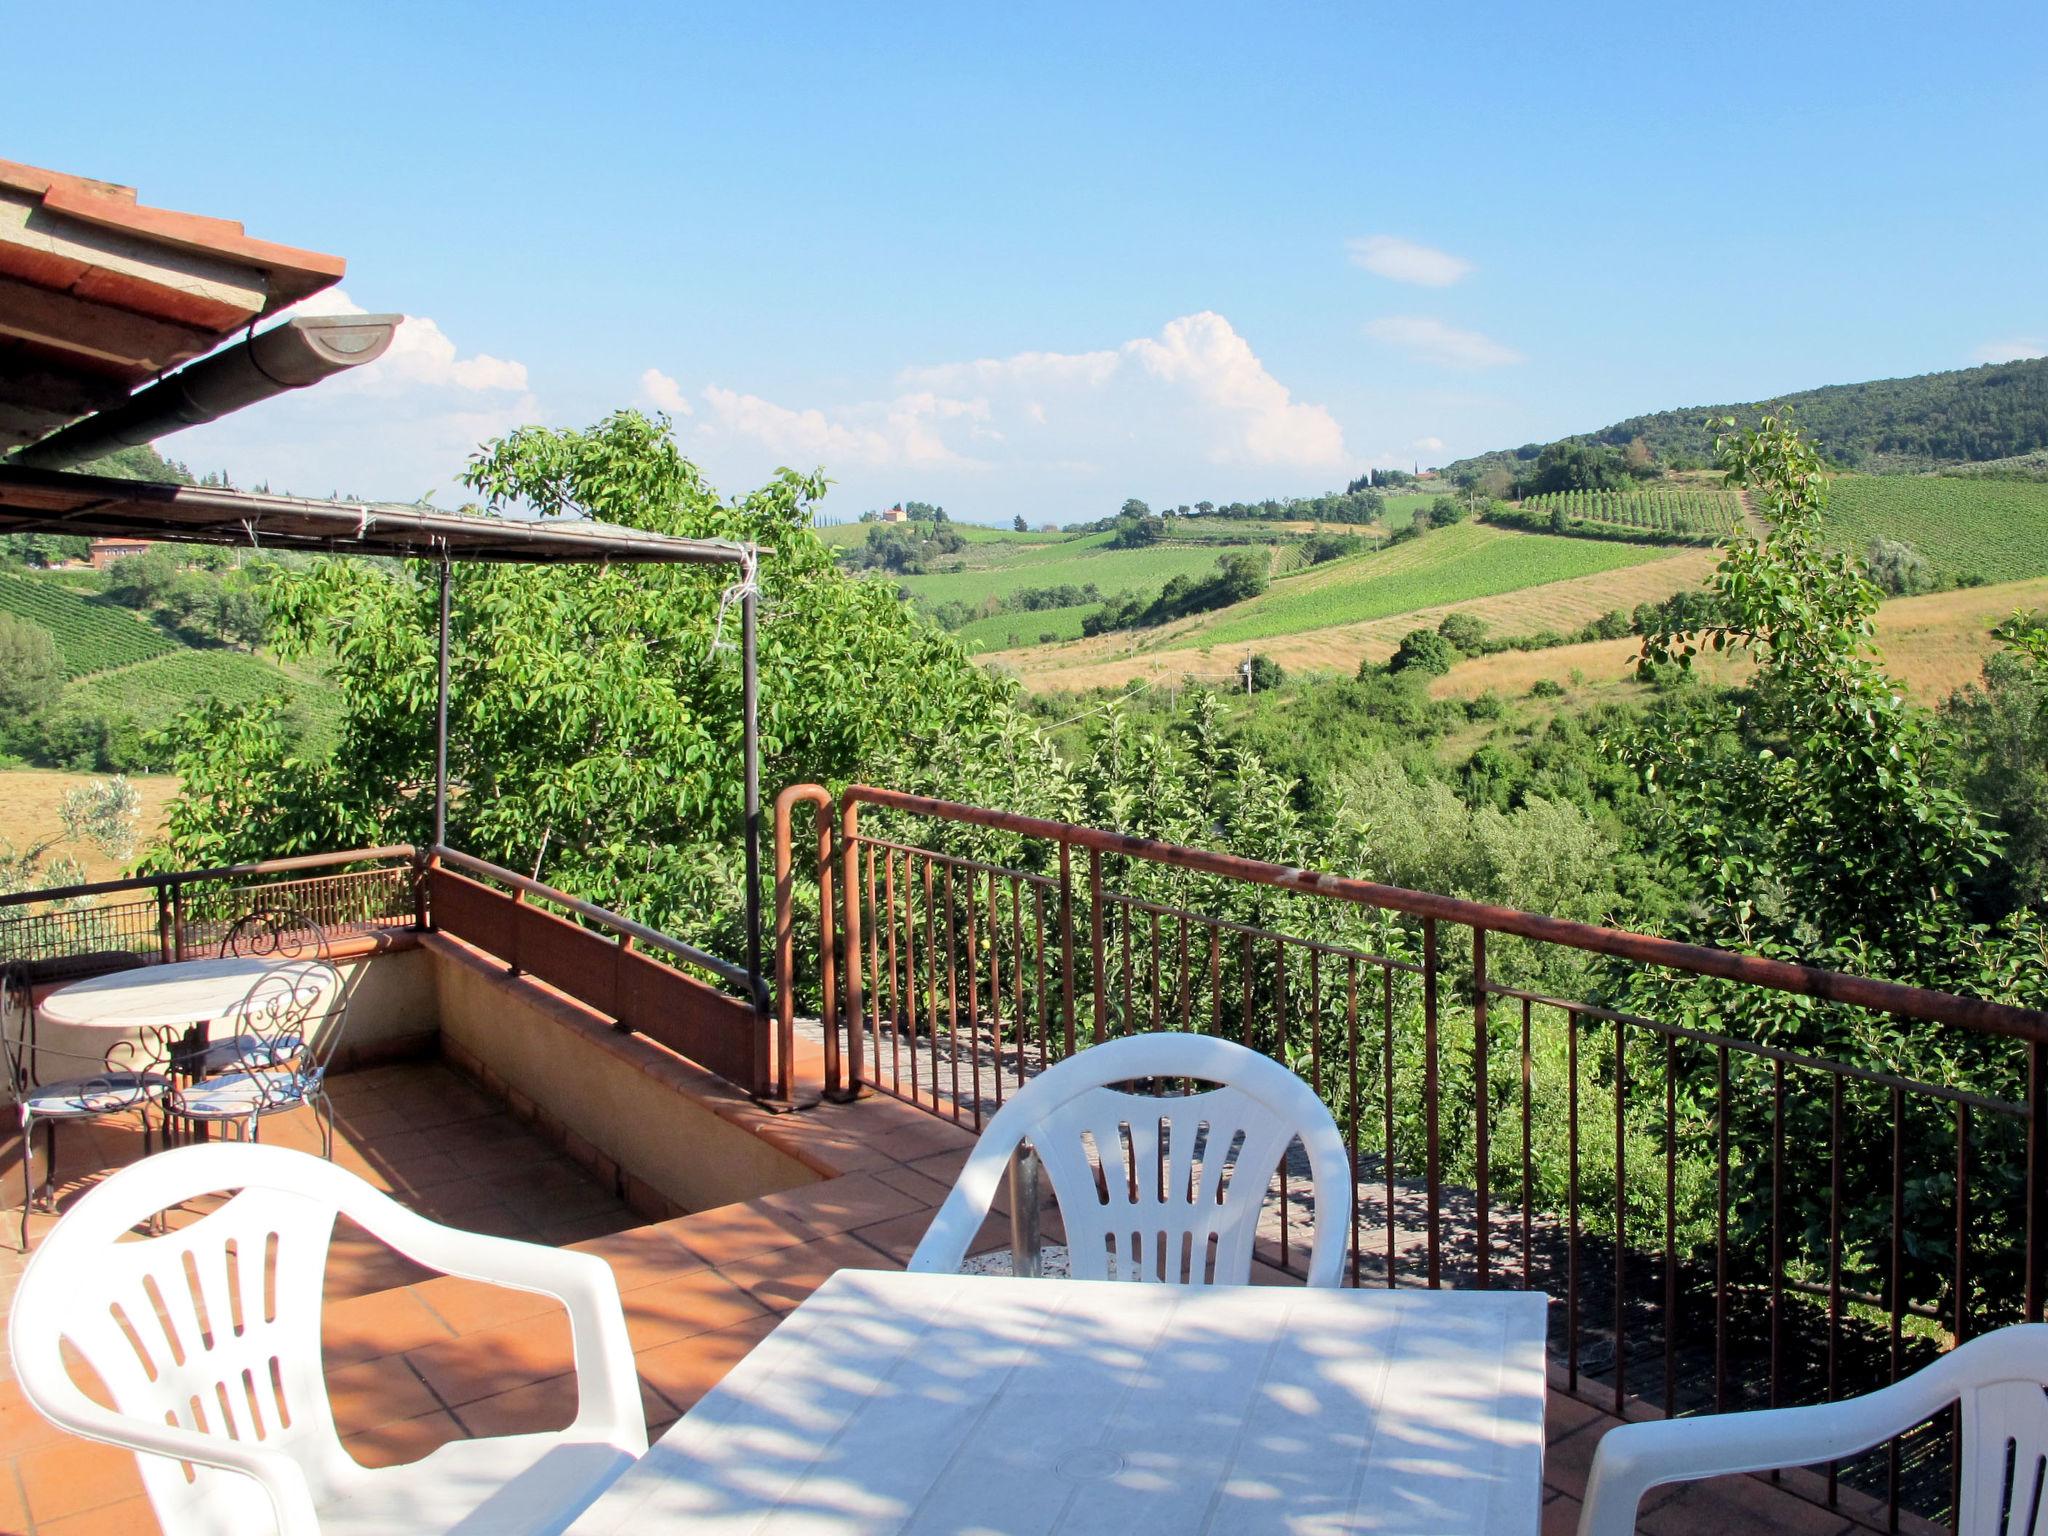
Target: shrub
(1423,650)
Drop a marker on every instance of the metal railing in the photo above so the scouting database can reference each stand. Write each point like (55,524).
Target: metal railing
(633,974)
(1731,1204)
(185,914)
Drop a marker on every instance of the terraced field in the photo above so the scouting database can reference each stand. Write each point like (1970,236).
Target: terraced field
(1076,561)
(1707,514)
(995,632)
(92,635)
(1996,529)
(1108,661)
(1447,566)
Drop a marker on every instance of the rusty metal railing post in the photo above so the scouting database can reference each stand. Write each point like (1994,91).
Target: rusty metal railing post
(1430,1106)
(785,941)
(1098,932)
(177,919)
(2037,1179)
(166,941)
(422,866)
(856,1000)
(1067,942)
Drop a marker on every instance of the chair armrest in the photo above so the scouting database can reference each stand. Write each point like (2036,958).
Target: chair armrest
(607,1382)
(1634,1458)
(280,1476)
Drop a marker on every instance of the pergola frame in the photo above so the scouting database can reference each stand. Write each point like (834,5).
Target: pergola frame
(99,506)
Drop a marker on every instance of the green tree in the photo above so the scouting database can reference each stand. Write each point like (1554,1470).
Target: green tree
(1813,809)
(1423,651)
(1018,524)
(31,668)
(594,728)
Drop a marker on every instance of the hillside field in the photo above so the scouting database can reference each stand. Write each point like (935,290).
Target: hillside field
(29,801)
(1076,562)
(1933,644)
(1994,529)
(91,633)
(1448,565)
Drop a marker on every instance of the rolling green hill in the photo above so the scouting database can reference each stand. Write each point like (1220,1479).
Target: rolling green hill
(1447,566)
(1994,530)
(1967,415)
(91,633)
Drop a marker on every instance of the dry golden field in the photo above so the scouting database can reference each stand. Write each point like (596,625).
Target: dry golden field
(1933,644)
(29,798)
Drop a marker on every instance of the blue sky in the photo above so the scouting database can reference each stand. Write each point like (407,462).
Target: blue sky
(1039,259)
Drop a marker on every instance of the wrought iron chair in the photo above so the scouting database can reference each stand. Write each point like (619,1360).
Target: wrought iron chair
(264,933)
(207,1341)
(286,1031)
(1156,1188)
(117,1082)
(281,932)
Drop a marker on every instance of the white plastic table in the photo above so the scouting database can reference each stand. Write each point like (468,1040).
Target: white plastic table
(157,997)
(968,1404)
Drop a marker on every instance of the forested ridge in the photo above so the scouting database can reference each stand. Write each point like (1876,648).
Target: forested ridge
(1965,416)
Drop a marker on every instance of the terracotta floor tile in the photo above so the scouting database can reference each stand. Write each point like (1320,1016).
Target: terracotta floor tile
(782,1279)
(733,1232)
(70,1475)
(685,1370)
(497,1359)
(13,1511)
(1740,1506)
(929,1191)
(20,1425)
(129,1517)
(699,1302)
(533,1409)
(472,1306)
(842,1204)
(898,1238)
(1561,1517)
(578,1229)
(377,1392)
(643,1256)
(403,1441)
(367,1327)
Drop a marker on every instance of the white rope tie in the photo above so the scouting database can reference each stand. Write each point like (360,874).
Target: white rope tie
(747,586)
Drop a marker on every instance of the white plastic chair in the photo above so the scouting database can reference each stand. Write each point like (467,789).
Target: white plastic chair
(1146,1184)
(208,1341)
(2001,1380)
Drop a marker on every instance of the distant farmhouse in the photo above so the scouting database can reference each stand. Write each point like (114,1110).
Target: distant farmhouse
(106,551)
(895,515)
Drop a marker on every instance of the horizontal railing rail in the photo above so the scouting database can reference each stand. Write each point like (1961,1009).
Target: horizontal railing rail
(1735,1187)
(625,969)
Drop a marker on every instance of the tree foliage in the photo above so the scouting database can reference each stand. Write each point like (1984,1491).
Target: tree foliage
(594,729)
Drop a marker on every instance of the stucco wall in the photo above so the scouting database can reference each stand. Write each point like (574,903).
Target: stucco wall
(640,1108)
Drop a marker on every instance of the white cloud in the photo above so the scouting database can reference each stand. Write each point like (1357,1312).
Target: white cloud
(2011,350)
(1190,410)
(390,430)
(664,393)
(1428,445)
(907,431)
(1429,340)
(1403,261)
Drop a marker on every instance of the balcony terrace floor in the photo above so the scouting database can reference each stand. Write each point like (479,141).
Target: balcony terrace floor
(415,1360)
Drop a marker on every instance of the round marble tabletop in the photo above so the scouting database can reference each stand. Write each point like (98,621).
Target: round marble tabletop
(157,996)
